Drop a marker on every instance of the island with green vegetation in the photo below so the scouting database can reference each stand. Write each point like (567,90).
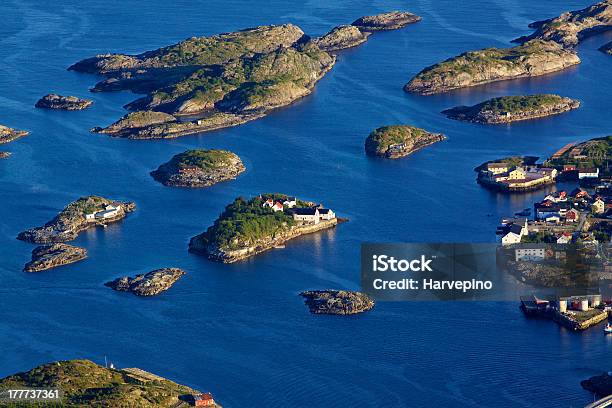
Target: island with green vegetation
(337,302)
(508,109)
(510,161)
(393,142)
(51,256)
(149,284)
(84,213)
(199,168)
(571,27)
(592,154)
(533,58)
(221,81)
(248,227)
(55,101)
(8,134)
(84,383)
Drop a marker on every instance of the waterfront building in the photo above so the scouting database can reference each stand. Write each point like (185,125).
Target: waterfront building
(309,215)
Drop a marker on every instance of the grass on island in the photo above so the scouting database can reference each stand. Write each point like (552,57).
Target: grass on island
(473,62)
(515,104)
(204,159)
(594,153)
(85,383)
(245,222)
(382,138)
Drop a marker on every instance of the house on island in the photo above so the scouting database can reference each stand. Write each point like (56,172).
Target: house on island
(533,253)
(306,215)
(588,173)
(278,206)
(326,214)
(202,400)
(515,232)
(110,211)
(268,203)
(516,178)
(572,215)
(290,202)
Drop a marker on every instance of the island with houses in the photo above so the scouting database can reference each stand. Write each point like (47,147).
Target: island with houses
(86,212)
(248,227)
(85,383)
(227,79)
(515,174)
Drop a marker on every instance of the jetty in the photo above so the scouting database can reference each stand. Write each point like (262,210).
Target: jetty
(577,313)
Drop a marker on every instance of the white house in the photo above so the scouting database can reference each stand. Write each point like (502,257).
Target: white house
(290,202)
(90,217)
(588,173)
(515,234)
(326,214)
(310,215)
(268,203)
(529,254)
(277,206)
(564,238)
(109,212)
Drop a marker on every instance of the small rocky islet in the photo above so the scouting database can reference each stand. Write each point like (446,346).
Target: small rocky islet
(199,168)
(607,48)
(508,109)
(8,134)
(86,212)
(248,227)
(337,302)
(84,383)
(59,102)
(51,256)
(533,58)
(5,155)
(571,27)
(150,284)
(224,80)
(393,142)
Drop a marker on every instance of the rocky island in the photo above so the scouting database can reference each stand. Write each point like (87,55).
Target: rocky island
(533,58)
(84,383)
(150,284)
(573,26)
(508,109)
(51,256)
(199,168)
(600,385)
(249,227)
(337,302)
(607,48)
(84,213)
(393,142)
(54,101)
(341,37)
(221,81)
(8,134)
(591,154)
(386,21)
(4,155)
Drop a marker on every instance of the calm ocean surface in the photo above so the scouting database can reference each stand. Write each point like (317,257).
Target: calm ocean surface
(240,330)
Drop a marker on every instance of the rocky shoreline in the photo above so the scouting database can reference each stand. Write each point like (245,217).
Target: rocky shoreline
(533,58)
(150,284)
(8,134)
(394,142)
(386,21)
(214,253)
(337,302)
(51,256)
(59,102)
(607,48)
(512,109)
(83,383)
(199,168)
(225,80)
(573,26)
(84,213)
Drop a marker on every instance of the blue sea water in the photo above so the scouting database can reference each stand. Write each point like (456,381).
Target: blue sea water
(240,330)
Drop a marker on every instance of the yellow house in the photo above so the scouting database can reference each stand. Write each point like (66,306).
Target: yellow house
(517,174)
(598,207)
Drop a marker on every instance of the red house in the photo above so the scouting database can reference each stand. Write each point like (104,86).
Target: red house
(203,400)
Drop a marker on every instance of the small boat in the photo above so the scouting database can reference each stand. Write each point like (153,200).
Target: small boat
(608,329)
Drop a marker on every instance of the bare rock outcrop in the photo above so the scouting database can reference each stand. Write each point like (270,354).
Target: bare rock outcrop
(150,284)
(337,302)
(52,256)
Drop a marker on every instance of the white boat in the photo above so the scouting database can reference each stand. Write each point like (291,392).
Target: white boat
(608,329)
